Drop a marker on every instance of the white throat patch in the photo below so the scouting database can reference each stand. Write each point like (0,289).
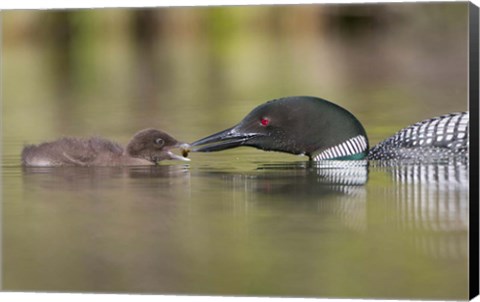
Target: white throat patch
(350,147)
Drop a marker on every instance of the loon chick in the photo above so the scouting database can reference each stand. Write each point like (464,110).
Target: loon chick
(147,147)
(323,130)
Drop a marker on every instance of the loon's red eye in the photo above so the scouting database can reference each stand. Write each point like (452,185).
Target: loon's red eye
(265,121)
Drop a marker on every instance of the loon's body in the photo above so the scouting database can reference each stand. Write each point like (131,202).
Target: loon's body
(147,147)
(323,130)
(443,137)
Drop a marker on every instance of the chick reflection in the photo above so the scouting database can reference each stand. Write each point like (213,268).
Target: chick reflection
(79,178)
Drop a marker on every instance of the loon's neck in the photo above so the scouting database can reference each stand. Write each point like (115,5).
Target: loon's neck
(355,148)
(438,138)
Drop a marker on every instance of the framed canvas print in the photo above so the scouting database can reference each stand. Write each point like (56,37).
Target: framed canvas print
(304,150)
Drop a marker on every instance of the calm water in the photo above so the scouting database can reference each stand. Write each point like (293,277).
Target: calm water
(243,221)
(238,226)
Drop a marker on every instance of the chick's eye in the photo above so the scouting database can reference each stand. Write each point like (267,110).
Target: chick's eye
(159,141)
(265,121)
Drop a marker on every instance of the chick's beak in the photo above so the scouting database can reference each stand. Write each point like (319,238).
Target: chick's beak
(184,148)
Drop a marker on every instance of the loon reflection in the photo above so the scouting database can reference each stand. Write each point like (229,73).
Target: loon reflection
(426,205)
(431,203)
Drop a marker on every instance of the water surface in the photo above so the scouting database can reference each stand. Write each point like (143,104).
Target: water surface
(238,227)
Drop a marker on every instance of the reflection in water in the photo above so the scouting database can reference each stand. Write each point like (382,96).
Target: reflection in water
(78,178)
(329,172)
(302,179)
(431,202)
(172,222)
(343,181)
(428,203)
(335,187)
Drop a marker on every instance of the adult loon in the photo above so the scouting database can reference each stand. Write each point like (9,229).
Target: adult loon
(147,147)
(323,130)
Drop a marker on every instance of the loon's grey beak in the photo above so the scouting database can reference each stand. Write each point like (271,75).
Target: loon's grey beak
(226,139)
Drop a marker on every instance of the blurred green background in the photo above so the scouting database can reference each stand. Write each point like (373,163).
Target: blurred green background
(191,71)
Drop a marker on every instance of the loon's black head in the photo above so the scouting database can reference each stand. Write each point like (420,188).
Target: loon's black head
(297,125)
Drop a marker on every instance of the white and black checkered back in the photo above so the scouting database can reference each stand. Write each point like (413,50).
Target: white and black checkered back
(443,137)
